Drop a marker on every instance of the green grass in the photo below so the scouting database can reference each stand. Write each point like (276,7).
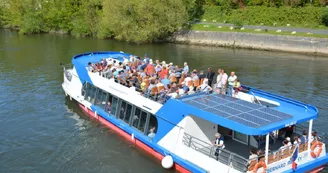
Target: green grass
(201,27)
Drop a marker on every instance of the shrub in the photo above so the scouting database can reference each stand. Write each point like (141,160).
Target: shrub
(255,15)
(324,18)
(143,20)
(237,24)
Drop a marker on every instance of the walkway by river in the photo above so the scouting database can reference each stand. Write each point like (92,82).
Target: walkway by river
(42,131)
(273,28)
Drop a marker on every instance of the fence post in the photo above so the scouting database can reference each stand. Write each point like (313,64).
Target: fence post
(189,143)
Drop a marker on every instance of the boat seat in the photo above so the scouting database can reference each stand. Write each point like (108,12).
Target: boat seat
(173,79)
(189,84)
(196,83)
(284,154)
(252,165)
(160,88)
(154,91)
(202,81)
(181,80)
(272,158)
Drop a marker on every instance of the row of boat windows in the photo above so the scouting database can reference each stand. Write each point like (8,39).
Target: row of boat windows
(132,115)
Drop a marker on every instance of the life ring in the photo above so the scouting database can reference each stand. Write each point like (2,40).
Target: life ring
(260,165)
(314,145)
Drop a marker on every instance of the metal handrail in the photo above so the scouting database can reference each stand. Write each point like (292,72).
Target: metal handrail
(226,157)
(299,128)
(255,98)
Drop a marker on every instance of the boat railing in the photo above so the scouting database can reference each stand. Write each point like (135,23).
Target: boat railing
(299,128)
(67,66)
(224,156)
(255,99)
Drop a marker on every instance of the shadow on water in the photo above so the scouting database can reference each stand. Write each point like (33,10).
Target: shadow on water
(42,131)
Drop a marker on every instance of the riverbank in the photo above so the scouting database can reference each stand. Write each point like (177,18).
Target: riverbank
(295,44)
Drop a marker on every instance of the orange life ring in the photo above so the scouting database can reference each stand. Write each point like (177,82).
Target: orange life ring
(260,165)
(314,145)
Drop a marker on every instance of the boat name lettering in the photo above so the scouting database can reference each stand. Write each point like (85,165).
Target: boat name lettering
(282,165)
(290,124)
(272,169)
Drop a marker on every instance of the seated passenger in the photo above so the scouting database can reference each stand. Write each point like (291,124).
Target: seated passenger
(204,87)
(284,147)
(166,81)
(108,107)
(289,143)
(297,140)
(314,137)
(152,132)
(237,86)
(253,155)
(90,67)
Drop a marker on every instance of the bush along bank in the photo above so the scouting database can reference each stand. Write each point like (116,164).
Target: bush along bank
(308,17)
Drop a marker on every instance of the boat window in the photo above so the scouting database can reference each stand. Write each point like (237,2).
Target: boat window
(123,110)
(114,106)
(128,113)
(108,107)
(90,92)
(142,123)
(139,119)
(135,119)
(100,99)
(152,127)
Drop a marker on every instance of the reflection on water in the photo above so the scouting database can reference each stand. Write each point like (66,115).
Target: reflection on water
(41,131)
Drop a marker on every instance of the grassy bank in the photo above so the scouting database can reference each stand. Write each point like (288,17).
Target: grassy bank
(201,27)
(307,17)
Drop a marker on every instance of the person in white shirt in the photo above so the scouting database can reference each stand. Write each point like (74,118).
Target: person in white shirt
(185,68)
(253,156)
(297,140)
(204,87)
(224,80)
(231,81)
(219,143)
(219,81)
(289,143)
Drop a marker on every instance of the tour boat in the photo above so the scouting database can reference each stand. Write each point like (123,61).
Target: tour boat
(180,131)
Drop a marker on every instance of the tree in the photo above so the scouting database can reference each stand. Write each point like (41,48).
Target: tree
(141,20)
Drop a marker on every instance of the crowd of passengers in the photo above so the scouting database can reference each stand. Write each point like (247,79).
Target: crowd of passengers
(164,80)
(287,143)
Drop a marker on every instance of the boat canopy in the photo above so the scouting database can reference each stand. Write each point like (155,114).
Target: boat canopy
(242,116)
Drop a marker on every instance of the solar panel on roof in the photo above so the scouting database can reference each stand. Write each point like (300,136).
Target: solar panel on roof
(243,112)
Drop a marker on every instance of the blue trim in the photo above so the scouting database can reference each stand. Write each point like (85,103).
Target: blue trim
(310,165)
(152,144)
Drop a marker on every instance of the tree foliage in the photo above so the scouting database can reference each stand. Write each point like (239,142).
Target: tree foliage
(149,20)
(142,20)
(324,18)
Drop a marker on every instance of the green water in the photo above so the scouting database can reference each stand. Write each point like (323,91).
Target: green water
(42,131)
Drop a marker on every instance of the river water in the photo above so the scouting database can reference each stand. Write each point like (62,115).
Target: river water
(42,131)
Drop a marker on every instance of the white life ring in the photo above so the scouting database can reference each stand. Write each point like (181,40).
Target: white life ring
(167,162)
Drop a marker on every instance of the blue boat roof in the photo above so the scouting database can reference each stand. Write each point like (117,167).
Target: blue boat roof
(242,116)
